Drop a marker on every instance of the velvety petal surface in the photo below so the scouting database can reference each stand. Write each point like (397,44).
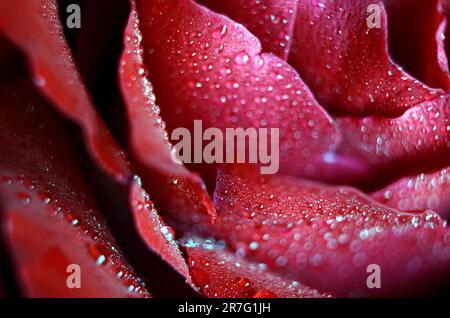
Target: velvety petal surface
(416,141)
(205,66)
(34,26)
(50,219)
(341,52)
(419,192)
(272,21)
(326,237)
(220,273)
(417,40)
(179,192)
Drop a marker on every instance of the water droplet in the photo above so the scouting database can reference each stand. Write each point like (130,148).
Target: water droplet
(100,260)
(242,58)
(244,283)
(220,32)
(95,251)
(253,246)
(168,232)
(264,293)
(24,198)
(39,80)
(200,277)
(7,181)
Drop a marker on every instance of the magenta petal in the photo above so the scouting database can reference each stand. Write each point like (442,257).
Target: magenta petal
(205,66)
(220,273)
(34,26)
(184,195)
(158,236)
(419,192)
(346,63)
(272,21)
(50,218)
(325,237)
(415,141)
(416,40)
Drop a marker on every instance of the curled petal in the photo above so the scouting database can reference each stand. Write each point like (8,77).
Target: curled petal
(205,66)
(220,273)
(340,49)
(272,21)
(416,40)
(418,139)
(158,236)
(326,237)
(34,26)
(419,192)
(184,195)
(51,222)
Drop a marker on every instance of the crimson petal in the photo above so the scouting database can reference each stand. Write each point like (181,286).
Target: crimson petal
(158,236)
(34,27)
(220,273)
(419,192)
(419,139)
(50,218)
(325,237)
(416,40)
(205,66)
(346,63)
(178,191)
(272,21)
(444,7)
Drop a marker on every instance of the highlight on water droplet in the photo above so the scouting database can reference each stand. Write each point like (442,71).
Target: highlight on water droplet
(219,32)
(242,58)
(264,293)
(24,198)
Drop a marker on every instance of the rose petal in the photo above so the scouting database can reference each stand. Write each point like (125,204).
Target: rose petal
(444,8)
(418,139)
(35,28)
(181,193)
(205,66)
(419,192)
(346,63)
(158,236)
(221,274)
(272,21)
(325,237)
(416,40)
(50,218)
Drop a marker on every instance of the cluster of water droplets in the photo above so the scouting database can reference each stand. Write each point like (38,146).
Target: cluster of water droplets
(271,23)
(420,131)
(347,65)
(214,71)
(423,191)
(143,204)
(105,254)
(302,228)
(135,77)
(220,273)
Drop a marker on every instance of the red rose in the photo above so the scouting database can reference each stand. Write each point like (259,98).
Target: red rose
(356,91)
